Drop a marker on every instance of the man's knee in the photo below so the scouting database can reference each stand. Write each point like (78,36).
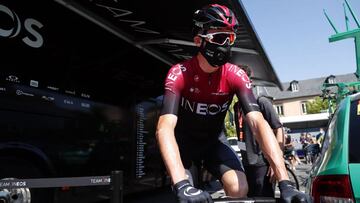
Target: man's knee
(235,184)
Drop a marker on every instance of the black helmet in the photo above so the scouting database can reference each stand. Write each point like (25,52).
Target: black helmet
(214,16)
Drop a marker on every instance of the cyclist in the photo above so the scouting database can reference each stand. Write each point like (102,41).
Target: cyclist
(197,95)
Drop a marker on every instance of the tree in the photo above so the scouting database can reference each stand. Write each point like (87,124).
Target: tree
(318,105)
(230,129)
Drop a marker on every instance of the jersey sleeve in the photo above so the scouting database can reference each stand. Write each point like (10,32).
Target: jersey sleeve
(269,113)
(173,85)
(241,84)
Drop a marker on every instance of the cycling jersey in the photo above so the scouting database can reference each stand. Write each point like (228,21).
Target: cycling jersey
(201,100)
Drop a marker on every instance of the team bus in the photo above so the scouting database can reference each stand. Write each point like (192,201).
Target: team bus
(75,100)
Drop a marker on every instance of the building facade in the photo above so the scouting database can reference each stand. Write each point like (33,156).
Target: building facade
(290,104)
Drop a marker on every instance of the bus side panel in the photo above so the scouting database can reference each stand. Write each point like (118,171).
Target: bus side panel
(71,90)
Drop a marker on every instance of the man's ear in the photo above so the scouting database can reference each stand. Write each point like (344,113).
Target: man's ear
(197,41)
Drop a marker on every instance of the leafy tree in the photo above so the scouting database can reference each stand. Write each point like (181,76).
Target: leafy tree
(229,123)
(318,105)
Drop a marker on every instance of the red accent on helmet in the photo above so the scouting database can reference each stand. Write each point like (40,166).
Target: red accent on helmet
(215,16)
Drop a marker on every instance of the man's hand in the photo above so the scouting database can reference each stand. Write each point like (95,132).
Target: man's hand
(289,194)
(271,174)
(186,193)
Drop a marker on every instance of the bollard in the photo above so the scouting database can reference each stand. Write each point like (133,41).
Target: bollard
(117,186)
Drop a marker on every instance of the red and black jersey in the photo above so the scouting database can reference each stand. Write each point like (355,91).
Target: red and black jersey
(201,100)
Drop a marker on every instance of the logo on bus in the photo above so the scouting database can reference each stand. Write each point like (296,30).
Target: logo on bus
(34,39)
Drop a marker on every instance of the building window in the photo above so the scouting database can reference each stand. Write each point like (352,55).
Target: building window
(294,86)
(279,110)
(303,108)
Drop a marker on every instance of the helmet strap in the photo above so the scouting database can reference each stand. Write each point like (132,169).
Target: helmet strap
(204,32)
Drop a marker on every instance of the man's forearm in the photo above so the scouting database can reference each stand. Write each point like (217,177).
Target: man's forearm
(264,135)
(271,148)
(279,132)
(171,155)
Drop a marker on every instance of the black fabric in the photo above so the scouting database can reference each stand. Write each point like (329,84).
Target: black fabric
(288,139)
(170,103)
(216,55)
(253,154)
(247,103)
(289,194)
(186,193)
(289,150)
(217,156)
(269,113)
(258,182)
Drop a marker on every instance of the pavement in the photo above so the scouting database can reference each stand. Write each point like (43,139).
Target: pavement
(302,173)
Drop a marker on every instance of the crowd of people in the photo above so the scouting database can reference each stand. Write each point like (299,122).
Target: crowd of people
(309,149)
(311,145)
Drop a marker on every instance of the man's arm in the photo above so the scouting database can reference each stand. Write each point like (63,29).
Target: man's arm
(268,144)
(270,115)
(165,135)
(279,133)
(169,148)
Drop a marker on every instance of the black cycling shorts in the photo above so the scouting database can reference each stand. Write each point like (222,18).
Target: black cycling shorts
(218,156)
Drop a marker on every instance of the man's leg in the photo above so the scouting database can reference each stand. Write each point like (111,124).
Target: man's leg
(234,183)
(223,162)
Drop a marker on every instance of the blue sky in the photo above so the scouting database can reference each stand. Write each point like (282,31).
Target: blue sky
(295,36)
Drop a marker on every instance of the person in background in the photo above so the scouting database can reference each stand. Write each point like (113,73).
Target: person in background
(197,95)
(259,174)
(302,139)
(308,138)
(312,150)
(290,152)
(320,137)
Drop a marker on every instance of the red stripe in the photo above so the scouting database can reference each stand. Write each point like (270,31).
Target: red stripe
(228,13)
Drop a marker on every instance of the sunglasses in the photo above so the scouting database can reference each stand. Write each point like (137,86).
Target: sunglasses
(220,38)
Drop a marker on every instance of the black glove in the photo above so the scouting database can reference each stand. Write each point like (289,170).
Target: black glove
(289,194)
(186,193)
